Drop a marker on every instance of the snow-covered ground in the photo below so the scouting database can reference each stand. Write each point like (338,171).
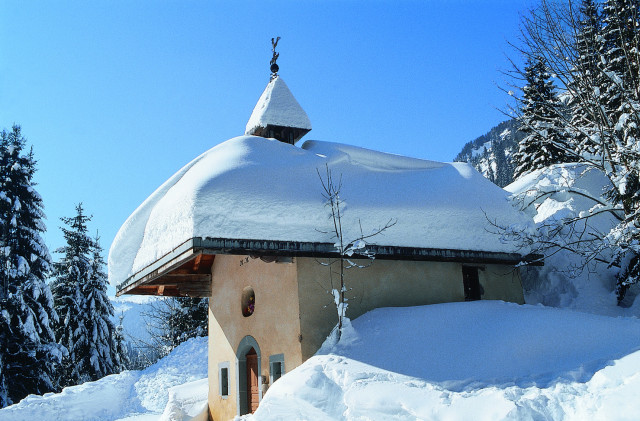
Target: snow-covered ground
(484,360)
(131,395)
(480,360)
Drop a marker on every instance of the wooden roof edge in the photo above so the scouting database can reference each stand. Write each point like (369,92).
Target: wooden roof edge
(176,257)
(309,249)
(191,248)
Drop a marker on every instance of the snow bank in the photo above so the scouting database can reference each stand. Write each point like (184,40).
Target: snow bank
(106,399)
(256,188)
(485,360)
(188,362)
(188,402)
(131,395)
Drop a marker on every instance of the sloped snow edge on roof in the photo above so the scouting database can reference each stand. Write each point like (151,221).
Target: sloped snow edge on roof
(257,188)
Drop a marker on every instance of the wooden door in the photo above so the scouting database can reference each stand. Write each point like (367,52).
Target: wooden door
(252,381)
(471,283)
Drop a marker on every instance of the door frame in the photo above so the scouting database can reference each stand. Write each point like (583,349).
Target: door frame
(244,347)
(471,285)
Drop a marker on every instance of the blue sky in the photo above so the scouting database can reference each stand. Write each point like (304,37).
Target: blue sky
(116,96)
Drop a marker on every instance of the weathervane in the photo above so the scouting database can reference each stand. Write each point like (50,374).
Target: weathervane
(274,66)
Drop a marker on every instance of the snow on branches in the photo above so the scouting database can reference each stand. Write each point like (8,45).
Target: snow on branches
(592,51)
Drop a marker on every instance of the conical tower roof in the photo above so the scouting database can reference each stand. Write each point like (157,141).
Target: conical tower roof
(277,114)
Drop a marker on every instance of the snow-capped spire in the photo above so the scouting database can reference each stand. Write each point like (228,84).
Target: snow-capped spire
(277,113)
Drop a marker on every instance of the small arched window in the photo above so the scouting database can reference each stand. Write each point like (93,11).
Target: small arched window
(248,301)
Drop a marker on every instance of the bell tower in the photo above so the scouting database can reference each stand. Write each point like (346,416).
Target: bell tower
(277,114)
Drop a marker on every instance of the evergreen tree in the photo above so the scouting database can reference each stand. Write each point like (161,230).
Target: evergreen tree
(29,355)
(544,143)
(585,73)
(79,292)
(102,350)
(122,353)
(70,273)
(602,76)
(487,157)
(504,170)
(618,48)
(620,94)
(192,318)
(620,98)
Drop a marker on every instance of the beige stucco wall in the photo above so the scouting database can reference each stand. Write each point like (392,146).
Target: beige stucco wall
(294,310)
(386,283)
(501,282)
(274,323)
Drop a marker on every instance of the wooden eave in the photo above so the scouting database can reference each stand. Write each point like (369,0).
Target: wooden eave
(186,270)
(280,133)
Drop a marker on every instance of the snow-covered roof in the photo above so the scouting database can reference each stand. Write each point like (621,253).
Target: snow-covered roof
(257,188)
(277,107)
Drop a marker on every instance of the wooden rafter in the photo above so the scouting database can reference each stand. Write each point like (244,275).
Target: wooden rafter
(188,276)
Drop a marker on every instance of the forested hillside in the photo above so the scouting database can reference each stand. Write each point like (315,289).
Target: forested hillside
(492,153)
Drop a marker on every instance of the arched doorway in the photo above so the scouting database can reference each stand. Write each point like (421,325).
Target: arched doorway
(249,386)
(253,388)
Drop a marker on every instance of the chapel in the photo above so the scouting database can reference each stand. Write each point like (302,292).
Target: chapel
(247,225)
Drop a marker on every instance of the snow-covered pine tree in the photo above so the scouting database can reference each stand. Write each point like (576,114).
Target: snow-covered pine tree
(102,349)
(544,143)
(79,291)
(121,346)
(29,355)
(608,123)
(70,274)
(490,176)
(620,98)
(584,94)
(619,39)
(193,317)
(620,91)
(4,390)
(504,169)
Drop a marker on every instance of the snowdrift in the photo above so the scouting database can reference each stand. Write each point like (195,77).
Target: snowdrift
(129,395)
(565,281)
(484,360)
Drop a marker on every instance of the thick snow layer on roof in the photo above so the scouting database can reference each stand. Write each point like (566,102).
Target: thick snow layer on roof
(278,107)
(256,188)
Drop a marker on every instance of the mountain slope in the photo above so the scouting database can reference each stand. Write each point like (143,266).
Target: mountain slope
(492,153)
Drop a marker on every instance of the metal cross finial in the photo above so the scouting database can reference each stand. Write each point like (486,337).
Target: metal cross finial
(274,66)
